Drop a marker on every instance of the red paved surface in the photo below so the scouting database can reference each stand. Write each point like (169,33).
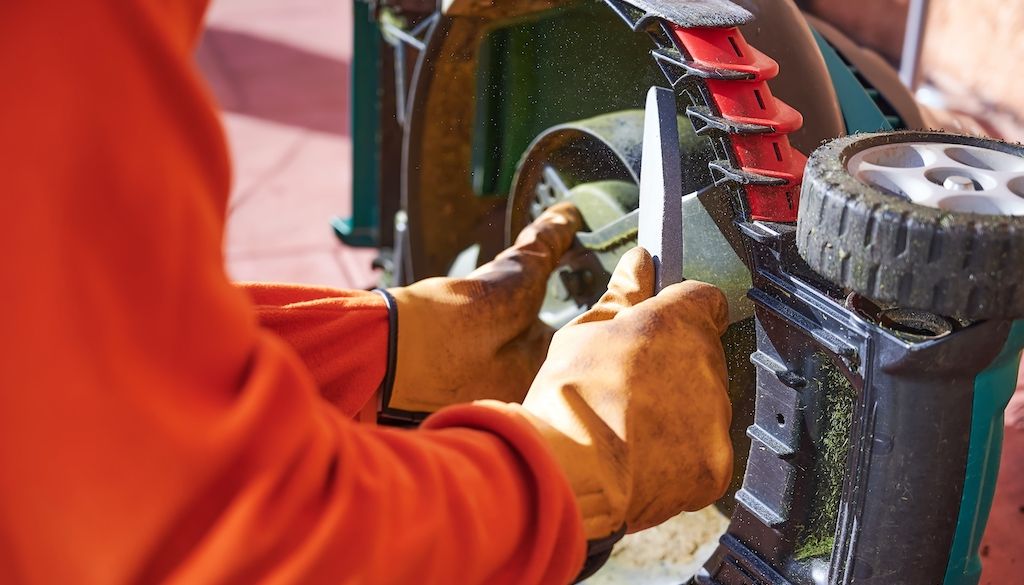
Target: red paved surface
(279,69)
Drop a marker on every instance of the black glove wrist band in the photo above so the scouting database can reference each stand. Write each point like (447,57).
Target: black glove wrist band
(598,552)
(385,414)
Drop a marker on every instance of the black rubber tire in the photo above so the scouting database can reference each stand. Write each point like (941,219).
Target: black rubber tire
(892,251)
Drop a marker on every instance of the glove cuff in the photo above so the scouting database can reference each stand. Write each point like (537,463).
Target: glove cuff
(385,414)
(598,549)
(598,552)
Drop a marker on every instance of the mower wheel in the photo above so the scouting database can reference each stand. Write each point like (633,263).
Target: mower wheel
(922,220)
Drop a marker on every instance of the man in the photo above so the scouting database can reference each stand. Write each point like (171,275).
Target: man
(158,423)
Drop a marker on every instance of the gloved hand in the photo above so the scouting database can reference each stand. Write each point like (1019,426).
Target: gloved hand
(463,339)
(632,400)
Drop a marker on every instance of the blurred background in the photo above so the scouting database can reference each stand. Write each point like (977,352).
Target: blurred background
(280,72)
(969,59)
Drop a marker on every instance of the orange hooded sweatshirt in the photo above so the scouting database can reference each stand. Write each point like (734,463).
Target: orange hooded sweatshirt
(151,428)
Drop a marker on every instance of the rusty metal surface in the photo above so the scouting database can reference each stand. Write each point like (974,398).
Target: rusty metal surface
(413,6)
(500,9)
(688,13)
(436,191)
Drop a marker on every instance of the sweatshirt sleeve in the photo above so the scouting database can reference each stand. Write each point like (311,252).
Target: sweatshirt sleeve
(150,429)
(341,336)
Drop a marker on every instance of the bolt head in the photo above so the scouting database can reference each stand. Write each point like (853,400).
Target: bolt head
(959,183)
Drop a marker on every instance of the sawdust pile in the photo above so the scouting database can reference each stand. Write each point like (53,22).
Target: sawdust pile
(664,555)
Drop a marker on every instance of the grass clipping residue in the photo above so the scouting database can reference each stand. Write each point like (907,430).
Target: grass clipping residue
(818,535)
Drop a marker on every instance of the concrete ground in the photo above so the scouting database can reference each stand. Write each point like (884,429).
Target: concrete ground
(279,69)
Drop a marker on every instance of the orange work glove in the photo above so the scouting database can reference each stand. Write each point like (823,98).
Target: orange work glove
(463,339)
(632,400)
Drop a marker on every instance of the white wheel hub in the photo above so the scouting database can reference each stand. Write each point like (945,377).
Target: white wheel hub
(943,175)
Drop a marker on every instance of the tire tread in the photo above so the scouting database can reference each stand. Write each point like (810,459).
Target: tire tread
(895,252)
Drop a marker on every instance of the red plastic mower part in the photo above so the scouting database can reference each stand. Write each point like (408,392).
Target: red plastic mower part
(750,101)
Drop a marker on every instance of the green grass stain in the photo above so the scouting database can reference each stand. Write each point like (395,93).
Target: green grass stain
(817,536)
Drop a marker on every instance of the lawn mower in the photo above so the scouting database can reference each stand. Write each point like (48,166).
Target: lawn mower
(872,267)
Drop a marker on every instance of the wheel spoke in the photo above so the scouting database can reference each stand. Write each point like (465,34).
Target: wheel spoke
(1009,204)
(947,176)
(909,171)
(972,157)
(895,156)
(907,183)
